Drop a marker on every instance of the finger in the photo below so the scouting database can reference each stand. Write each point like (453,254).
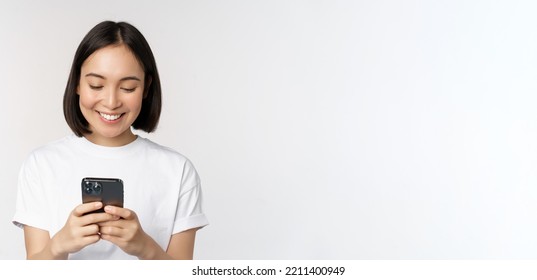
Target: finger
(82,209)
(114,239)
(96,218)
(111,231)
(121,212)
(113,222)
(122,224)
(87,240)
(89,230)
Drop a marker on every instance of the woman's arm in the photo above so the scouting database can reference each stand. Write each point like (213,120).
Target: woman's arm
(79,231)
(181,247)
(127,234)
(38,245)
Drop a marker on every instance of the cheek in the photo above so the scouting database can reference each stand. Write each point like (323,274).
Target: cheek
(86,102)
(135,103)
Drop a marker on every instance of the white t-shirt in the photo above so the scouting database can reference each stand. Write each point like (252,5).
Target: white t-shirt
(160,185)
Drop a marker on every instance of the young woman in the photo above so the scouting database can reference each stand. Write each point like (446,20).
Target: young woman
(113,85)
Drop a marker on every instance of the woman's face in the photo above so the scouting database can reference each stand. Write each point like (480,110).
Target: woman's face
(111,90)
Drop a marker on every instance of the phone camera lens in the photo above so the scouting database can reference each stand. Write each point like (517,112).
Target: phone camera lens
(97,188)
(89,187)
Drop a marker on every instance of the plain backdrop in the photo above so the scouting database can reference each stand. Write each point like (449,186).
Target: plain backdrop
(321,129)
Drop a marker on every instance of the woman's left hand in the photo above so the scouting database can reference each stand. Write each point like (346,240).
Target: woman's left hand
(126,233)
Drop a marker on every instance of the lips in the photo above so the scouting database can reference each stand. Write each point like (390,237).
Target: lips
(110,117)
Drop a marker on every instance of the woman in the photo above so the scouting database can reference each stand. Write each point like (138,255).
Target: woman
(113,85)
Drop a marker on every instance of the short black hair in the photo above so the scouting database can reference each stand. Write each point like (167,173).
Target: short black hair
(102,35)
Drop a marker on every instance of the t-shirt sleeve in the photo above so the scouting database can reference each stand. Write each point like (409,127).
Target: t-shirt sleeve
(31,208)
(189,212)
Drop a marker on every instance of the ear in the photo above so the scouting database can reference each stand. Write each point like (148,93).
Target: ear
(147,85)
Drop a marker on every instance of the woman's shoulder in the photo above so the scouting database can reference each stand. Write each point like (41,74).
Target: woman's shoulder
(161,150)
(60,145)
(173,160)
(51,152)
(170,158)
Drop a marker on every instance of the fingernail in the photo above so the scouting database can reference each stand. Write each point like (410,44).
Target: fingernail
(98,205)
(107,208)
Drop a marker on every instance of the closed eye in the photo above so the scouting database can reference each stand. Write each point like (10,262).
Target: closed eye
(95,87)
(129,89)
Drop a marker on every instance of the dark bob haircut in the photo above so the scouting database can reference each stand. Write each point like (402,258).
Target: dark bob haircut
(102,35)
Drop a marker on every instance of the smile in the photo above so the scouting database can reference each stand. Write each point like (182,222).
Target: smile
(110,117)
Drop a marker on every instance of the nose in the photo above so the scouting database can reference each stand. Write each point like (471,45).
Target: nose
(111,100)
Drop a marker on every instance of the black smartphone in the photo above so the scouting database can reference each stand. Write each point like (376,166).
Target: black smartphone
(107,190)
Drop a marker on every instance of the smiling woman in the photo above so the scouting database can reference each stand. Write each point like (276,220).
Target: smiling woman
(113,86)
(111,90)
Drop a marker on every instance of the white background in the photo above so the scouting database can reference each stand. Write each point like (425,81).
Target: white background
(321,129)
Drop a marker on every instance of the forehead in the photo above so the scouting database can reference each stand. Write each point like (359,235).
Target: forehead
(114,61)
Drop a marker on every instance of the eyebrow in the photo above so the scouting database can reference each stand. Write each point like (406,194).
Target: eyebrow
(122,79)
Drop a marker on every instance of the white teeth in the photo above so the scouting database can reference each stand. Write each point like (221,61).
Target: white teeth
(110,117)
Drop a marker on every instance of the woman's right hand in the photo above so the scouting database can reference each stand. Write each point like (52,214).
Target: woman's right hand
(80,230)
